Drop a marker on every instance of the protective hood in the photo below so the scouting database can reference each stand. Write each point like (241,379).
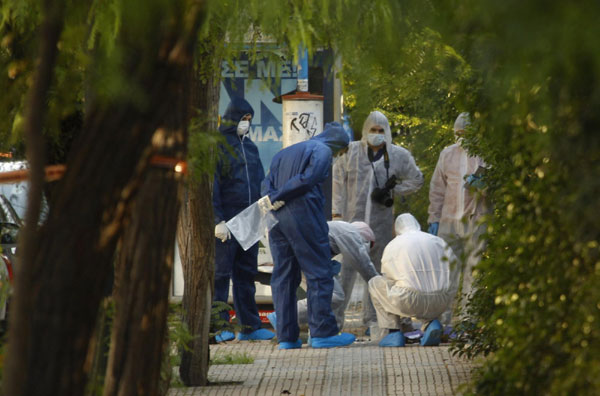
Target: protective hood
(334,137)
(377,118)
(406,223)
(462,122)
(364,230)
(237,108)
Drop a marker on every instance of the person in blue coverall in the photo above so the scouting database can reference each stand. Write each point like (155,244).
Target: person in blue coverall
(236,185)
(300,242)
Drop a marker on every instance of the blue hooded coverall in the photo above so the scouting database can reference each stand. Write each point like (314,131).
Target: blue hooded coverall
(300,241)
(236,186)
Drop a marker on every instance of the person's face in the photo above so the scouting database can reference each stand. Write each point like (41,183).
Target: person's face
(377,129)
(247,117)
(376,137)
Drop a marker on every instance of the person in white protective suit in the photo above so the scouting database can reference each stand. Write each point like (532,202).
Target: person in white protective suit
(415,283)
(456,206)
(365,181)
(350,244)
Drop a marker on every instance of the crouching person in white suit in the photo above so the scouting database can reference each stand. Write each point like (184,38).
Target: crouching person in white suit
(415,282)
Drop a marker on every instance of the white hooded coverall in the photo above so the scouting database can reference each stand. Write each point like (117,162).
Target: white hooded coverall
(458,208)
(415,280)
(354,178)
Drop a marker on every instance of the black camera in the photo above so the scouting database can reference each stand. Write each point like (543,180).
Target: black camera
(383,195)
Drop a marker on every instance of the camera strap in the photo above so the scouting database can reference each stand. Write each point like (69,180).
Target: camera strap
(386,163)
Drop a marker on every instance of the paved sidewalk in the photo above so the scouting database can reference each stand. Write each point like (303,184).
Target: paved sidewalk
(360,369)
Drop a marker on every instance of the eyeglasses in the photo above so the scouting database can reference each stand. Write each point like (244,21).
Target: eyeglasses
(380,130)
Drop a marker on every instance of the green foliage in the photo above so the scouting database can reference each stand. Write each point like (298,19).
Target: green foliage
(474,336)
(18,23)
(536,123)
(203,156)
(231,358)
(179,339)
(217,322)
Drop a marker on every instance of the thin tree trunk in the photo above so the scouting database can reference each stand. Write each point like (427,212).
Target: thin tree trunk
(16,370)
(196,236)
(145,264)
(73,259)
(99,348)
(196,247)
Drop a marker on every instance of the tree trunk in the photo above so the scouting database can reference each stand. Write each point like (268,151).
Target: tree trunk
(99,348)
(196,236)
(196,247)
(145,264)
(72,261)
(15,372)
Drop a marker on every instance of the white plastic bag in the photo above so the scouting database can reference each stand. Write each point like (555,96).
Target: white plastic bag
(250,225)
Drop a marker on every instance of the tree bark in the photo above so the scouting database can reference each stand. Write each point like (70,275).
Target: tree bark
(196,233)
(15,372)
(145,263)
(65,277)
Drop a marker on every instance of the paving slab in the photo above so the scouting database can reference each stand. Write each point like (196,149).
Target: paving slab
(359,369)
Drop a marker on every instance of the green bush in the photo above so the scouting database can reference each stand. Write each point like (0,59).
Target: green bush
(536,124)
(529,73)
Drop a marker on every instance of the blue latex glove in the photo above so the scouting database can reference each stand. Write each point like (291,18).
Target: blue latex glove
(336,266)
(433,228)
(475,181)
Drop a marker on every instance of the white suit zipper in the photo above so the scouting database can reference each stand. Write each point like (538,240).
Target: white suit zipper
(247,173)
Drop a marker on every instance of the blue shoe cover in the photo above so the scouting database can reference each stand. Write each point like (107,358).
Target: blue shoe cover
(224,336)
(290,344)
(339,340)
(395,339)
(273,320)
(257,335)
(433,334)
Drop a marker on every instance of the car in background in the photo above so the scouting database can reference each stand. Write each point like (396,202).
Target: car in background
(10,225)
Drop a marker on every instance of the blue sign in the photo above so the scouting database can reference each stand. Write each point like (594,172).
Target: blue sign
(258,84)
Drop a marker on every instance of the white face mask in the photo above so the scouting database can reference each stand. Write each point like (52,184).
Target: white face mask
(243,127)
(375,139)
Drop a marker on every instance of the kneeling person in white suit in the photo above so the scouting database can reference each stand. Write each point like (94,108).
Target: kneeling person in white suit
(415,282)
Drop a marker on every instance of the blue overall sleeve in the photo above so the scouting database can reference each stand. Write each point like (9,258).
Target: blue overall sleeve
(314,173)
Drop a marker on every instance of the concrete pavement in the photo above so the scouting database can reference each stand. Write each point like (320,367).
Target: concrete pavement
(359,369)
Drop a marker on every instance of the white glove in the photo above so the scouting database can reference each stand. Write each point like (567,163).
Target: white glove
(265,204)
(278,204)
(222,232)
